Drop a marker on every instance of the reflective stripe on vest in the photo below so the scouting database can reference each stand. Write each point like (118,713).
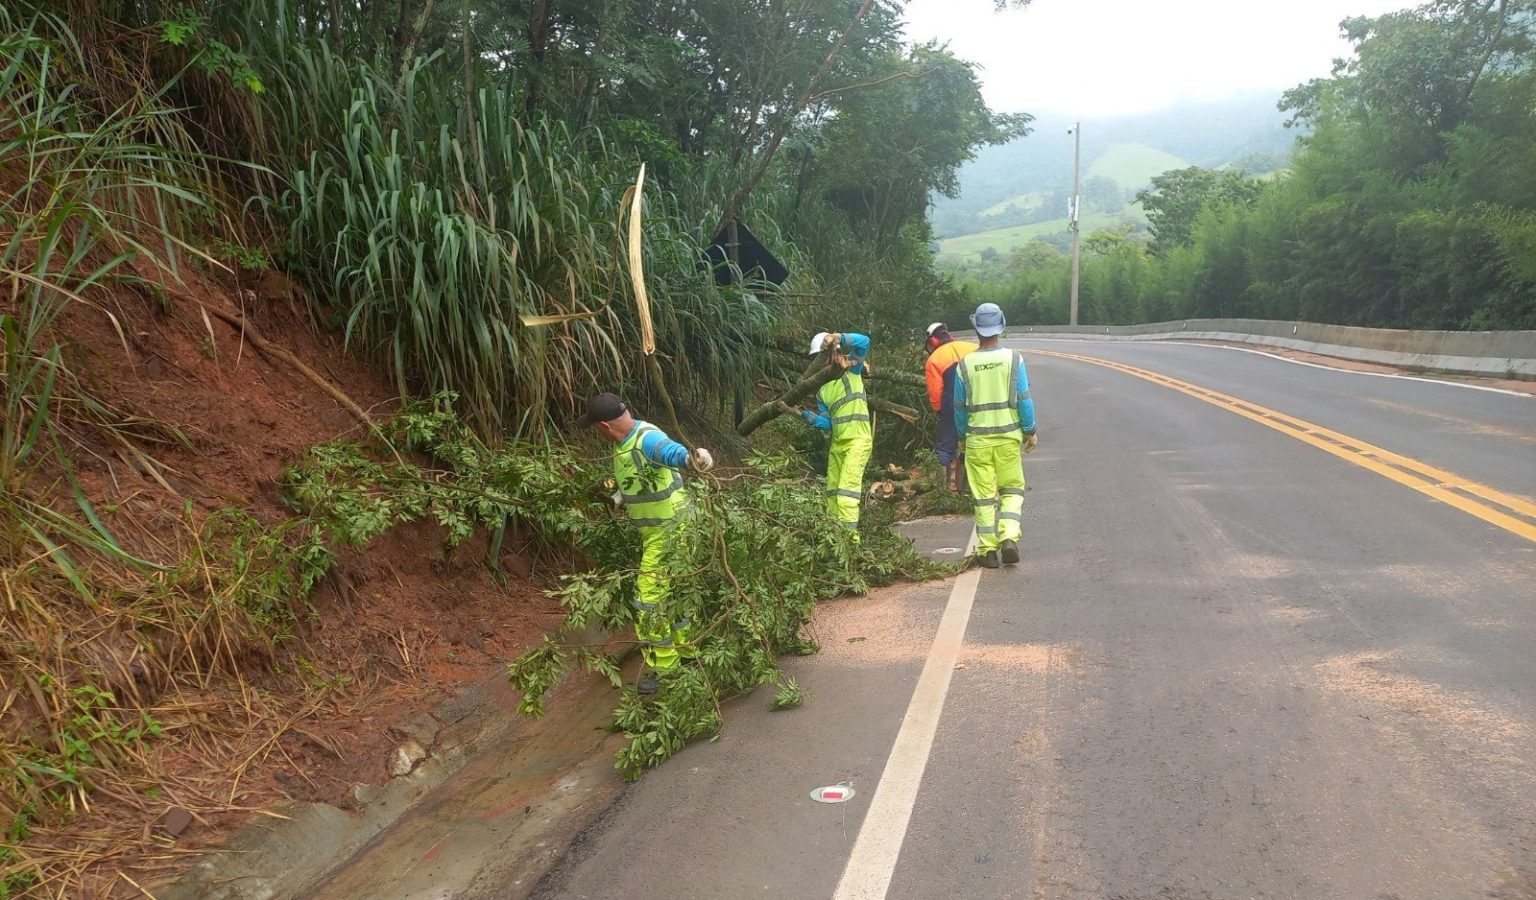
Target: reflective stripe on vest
(847,404)
(992,392)
(652,494)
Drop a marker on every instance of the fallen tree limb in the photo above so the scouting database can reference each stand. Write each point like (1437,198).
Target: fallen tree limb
(895,409)
(807,385)
(278,354)
(788,349)
(903,378)
(817,374)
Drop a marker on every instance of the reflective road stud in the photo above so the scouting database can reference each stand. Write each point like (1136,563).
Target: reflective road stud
(835,793)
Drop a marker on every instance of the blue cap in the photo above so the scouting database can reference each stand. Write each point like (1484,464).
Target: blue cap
(988,319)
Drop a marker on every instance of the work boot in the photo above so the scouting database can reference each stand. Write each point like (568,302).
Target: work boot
(988,560)
(1010,551)
(648,684)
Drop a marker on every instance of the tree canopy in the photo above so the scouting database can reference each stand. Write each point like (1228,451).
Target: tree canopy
(1412,202)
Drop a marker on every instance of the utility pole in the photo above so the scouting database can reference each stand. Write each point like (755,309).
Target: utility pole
(1077,203)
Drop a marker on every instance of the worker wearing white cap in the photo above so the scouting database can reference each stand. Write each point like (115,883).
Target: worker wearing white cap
(844,413)
(995,417)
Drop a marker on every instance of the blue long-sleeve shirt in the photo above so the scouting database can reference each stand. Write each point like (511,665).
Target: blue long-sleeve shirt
(660,449)
(855,346)
(1026,404)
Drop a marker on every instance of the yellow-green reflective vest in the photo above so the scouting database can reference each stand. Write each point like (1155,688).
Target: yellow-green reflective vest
(652,494)
(847,406)
(992,398)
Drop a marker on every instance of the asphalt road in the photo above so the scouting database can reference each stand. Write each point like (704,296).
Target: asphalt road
(1230,665)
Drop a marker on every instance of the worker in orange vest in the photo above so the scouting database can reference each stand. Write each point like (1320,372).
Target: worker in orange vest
(943,352)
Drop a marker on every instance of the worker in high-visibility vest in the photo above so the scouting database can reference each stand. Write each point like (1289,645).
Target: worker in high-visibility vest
(647,471)
(995,417)
(943,353)
(844,413)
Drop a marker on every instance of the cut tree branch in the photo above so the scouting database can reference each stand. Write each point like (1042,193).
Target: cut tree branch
(902,378)
(807,385)
(821,371)
(895,409)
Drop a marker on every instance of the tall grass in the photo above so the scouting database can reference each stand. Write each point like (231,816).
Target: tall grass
(437,243)
(86,196)
(93,193)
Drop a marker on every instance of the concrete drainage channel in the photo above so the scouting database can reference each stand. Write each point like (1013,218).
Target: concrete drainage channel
(489,804)
(484,801)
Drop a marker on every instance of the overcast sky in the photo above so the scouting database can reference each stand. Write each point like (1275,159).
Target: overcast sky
(1094,58)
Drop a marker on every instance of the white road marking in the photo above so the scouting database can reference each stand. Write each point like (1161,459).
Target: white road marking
(873,862)
(1299,362)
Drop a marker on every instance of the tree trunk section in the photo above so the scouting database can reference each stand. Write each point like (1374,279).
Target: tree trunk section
(538,46)
(801,389)
(733,208)
(408,53)
(471,102)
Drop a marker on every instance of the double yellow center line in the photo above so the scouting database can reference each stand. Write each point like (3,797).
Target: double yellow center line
(1513,514)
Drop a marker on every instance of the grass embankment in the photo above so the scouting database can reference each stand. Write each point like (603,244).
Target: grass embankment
(179,614)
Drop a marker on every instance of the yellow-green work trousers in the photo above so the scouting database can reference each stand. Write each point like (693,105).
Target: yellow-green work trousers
(995,468)
(846,460)
(664,634)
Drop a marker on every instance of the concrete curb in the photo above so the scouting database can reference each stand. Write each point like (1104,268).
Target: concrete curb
(1502,354)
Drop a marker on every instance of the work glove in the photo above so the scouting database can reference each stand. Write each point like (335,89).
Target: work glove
(701,459)
(1030,442)
(617,498)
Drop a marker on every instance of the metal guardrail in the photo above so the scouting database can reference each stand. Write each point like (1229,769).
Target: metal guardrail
(1509,354)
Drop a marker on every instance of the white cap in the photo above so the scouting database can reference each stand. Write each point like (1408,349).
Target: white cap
(936,326)
(818,340)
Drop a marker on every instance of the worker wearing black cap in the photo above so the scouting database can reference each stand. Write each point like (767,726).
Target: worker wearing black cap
(647,469)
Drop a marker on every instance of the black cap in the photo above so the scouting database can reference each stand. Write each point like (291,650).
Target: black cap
(602,408)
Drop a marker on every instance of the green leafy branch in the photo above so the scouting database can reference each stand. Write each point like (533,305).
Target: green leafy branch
(749,567)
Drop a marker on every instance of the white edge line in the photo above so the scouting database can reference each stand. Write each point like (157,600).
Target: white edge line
(1299,362)
(873,861)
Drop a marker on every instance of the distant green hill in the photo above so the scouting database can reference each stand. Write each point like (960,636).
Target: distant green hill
(968,248)
(1028,180)
(1132,165)
(1032,200)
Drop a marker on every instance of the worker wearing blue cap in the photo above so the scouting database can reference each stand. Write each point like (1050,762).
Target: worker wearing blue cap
(996,417)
